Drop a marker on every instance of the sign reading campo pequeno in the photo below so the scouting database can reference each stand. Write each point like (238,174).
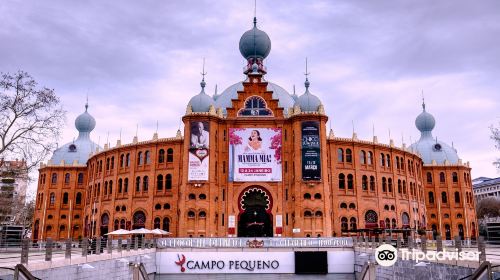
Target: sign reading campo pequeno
(226,262)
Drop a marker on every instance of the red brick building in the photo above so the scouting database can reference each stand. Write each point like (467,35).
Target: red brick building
(254,161)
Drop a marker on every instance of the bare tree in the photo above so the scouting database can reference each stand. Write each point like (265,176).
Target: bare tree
(495,136)
(31,119)
(488,207)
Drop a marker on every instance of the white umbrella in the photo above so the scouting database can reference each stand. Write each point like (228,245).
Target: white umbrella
(140,231)
(118,232)
(159,232)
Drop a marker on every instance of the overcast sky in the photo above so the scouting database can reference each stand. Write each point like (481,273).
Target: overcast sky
(140,62)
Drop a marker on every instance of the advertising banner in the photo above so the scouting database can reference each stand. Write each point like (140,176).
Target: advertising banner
(225,262)
(254,154)
(199,151)
(311,166)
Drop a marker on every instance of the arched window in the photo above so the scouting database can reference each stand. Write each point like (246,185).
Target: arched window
(161,156)
(369,159)
(340,155)
(343,224)
(394,223)
(405,219)
(457,197)
(352,206)
(107,164)
(122,224)
(343,205)
(389,185)
(318,214)
(388,160)
(191,214)
(397,163)
(382,160)
(166,224)
(352,223)
(372,183)
(124,208)
(52,199)
(447,230)
(444,197)
(317,196)
(125,185)
(404,187)
(158,206)
(122,160)
(110,187)
(364,182)
(116,225)
(159,182)
(454,177)
(157,223)
(145,183)
(384,184)
(54,178)
(386,207)
(170,155)
(459,216)
(139,220)
(138,184)
(307,213)
(441,177)
(341,181)
(127,161)
(350,181)
(78,200)
(348,155)
(371,217)
(120,185)
(393,208)
(255,106)
(362,157)
(65,198)
(166,206)
(80,178)
(106,188)
(139,158)
(147,157)
(202,196)
(168,181)
(387,223)
(431,198)
(399,185)
(112,162)
(461,231)
(307,196)
(117,208)
(66,178)
(191,196)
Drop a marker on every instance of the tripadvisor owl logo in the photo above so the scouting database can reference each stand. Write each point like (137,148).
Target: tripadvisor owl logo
(386,255)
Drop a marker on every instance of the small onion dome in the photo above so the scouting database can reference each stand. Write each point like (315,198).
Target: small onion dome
(425,121)
(307,101)
(255,43)
(201,102)
(85,122)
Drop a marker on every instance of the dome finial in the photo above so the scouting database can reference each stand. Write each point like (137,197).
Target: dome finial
(87,103)
(203,73)
(307,83)
(423,101)
(255,14)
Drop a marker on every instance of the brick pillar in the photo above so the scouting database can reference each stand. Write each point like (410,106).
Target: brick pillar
(48,249)
(424,243)
(439,243)
(98,245)
(109,246)
(24,251)
(458,244)
(85,247)
(67,251)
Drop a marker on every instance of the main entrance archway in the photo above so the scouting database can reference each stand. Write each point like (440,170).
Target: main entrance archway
(255,218)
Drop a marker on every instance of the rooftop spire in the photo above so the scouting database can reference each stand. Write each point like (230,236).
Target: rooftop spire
(87,103)
(255,14)
(423,101)
(203,73)
(306,83)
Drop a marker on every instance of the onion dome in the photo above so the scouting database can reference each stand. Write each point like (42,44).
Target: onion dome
(85,122)
(307,101)
(79,150)
(255,43)
(429,148)
(202,101)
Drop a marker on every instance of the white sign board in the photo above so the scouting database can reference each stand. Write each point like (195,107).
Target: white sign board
(340,261)
(225,262)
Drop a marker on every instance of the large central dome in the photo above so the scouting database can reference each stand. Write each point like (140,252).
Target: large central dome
(255,43)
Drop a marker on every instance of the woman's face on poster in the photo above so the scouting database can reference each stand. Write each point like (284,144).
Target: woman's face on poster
(254,135)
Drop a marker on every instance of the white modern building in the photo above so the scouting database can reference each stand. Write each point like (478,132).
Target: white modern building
(486,187)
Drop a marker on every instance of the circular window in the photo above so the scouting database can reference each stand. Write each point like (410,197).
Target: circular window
(437,147)
(72,148)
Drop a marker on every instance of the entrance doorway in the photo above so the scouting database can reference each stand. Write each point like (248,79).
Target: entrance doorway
(255,219)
